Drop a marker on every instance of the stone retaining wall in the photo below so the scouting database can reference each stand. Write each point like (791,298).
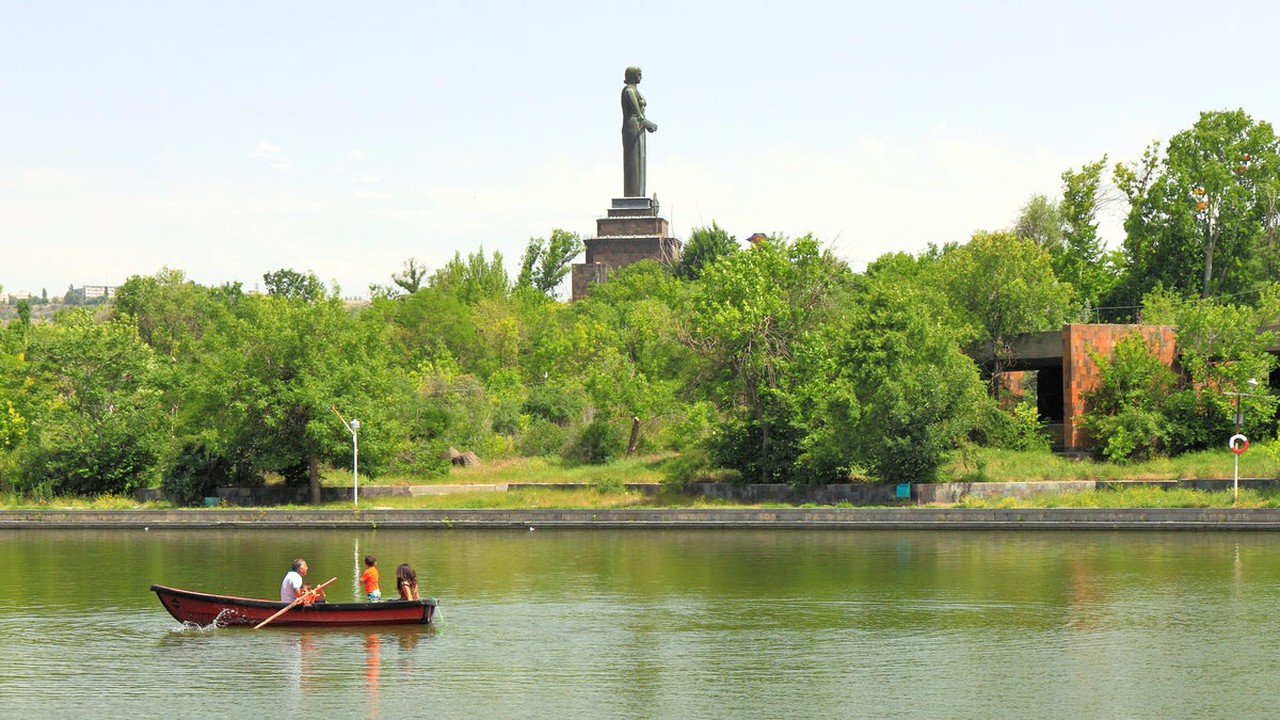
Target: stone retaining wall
(913,518)
(863,494)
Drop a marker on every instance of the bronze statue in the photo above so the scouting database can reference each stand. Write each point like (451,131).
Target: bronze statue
(634,127)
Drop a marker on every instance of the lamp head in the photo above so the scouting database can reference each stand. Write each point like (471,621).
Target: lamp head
(355,425)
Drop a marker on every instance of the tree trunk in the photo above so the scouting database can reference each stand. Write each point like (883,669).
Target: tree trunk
(314,463)
(635,435)
(1206,291)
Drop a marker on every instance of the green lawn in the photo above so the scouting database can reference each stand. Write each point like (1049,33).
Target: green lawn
(604,483)
(1024,466)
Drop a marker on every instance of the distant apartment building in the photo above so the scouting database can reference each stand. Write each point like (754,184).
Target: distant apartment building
(10,298)
(96,292)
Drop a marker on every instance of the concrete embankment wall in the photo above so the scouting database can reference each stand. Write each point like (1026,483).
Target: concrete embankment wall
(915,518)
(849,494)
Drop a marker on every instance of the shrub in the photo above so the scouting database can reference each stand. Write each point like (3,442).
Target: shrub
(543,437)
(1124,412)
(194,473)
(555,403)
(1131,434)
(1018,428)
(598,443)
(693,465)
(609,485)
(698,422)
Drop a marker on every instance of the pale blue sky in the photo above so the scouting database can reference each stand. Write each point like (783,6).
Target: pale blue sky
(231,139)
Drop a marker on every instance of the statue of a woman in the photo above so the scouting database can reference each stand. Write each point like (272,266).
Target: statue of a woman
(634,127)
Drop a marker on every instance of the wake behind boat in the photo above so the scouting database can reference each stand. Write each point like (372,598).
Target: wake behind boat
(205,609)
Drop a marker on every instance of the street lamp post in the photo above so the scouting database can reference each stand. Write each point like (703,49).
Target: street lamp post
(354,427)
(355,462)
(1238,442)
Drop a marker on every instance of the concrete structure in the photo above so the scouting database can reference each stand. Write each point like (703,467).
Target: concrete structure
(915,518)
(632,231)
(94,292)
(1066,370)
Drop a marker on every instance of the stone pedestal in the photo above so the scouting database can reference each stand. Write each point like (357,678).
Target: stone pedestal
(632,231)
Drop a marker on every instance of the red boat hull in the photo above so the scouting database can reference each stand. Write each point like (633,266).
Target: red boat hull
(204,609)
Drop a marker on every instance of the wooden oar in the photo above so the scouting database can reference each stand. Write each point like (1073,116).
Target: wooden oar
(310,593)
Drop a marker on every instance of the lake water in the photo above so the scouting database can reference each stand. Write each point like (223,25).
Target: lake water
(657,624)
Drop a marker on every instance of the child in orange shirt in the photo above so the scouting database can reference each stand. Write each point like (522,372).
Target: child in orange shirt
(369,578)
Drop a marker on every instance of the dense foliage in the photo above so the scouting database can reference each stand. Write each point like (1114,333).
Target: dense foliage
(772,362)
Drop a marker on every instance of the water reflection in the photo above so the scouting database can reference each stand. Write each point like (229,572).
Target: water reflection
(372,667)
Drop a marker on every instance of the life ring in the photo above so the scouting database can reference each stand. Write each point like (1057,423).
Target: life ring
(1238,448)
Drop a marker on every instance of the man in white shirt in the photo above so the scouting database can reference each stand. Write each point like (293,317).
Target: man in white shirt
(292,585)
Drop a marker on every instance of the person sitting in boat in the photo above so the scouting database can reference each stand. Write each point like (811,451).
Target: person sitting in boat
(407,582)
(292,586)
(369,578)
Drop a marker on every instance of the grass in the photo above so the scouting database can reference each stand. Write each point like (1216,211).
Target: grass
(1031,466)
(12,501)
(536,498)
(1134,497)
(604,484)
(642,469)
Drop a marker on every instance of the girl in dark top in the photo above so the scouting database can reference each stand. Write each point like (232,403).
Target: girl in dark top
(407,582)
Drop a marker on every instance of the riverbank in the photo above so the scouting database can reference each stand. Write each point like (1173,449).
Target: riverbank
(914,518)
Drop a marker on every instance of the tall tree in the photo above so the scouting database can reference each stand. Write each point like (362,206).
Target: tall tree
(1199,211)
(1082,259)
(169,311)
(93,407)
(749,312)
(1040,222)
(293,285)
(269,376)
(473,279)
(546,262)
(900,394)
(410,279)
(704,246)
(1001,286)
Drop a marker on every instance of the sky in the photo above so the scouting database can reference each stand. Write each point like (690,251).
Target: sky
(232,139)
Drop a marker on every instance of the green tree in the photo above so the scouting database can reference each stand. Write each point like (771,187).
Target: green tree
(1001,286)
(621,352)
(473,279)
(169,311)
(410,279)
(1200,211)
(1040,222)
(1082,258)
(271,374)
(705,246)
(293,285)
(899,394)
(749,311)
(546,262)
(1220,349)
(94,411)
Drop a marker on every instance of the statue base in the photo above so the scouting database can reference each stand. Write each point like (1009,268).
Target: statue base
(631,231)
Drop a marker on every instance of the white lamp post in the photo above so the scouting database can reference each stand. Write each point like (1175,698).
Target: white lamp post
(1238,442)
(354,426)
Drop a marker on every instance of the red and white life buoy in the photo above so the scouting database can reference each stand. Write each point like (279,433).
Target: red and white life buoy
(1238,443)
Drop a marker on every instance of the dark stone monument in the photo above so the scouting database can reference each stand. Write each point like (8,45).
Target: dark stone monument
(634,128)
(632,230)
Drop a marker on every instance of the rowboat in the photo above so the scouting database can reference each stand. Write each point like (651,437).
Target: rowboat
(200,608)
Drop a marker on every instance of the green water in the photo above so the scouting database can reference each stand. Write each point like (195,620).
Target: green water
(657,623)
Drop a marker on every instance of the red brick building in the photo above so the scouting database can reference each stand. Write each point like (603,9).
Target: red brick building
(1066,370)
